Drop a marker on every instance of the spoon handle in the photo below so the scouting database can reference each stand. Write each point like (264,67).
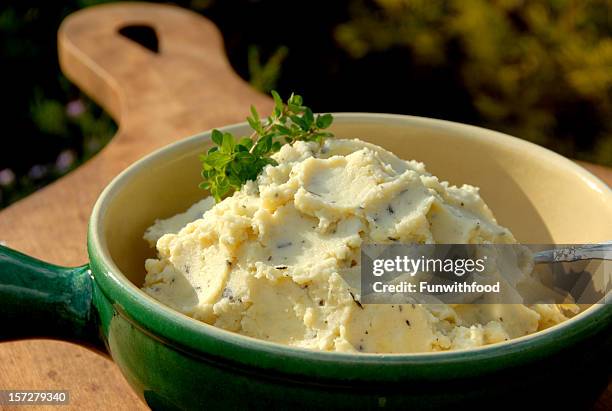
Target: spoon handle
(600,251)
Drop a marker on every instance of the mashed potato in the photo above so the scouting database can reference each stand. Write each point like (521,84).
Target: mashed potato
(279,260)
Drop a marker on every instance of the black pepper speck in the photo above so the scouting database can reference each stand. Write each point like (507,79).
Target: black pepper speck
(356,300)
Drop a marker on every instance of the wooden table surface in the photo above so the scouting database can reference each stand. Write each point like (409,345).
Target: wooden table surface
(156,98)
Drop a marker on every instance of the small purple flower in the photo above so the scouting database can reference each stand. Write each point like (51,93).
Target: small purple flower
(37,171)
(7,177)
(65,160)
(75,108)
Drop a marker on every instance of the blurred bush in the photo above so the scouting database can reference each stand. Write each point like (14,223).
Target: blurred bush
(537,69)
(264,75)
(49,127)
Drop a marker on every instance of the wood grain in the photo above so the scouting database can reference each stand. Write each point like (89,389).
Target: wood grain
(186,88)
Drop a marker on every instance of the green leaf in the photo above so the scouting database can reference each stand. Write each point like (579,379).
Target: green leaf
(218,160)
(255,121)
(300,122)
(262,146)
(282,129)
(308,118)
(227,145)
(235,181)
(259,149)
(268,143)
(295,109)
(255,125)
(254,113)
(324,120)
(235,167)
(295,100)
(217,137)
(243,156)
(278,101)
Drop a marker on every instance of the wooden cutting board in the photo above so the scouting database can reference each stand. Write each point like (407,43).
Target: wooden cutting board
(156,98)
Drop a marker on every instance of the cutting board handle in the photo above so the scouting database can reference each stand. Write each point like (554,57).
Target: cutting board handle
(187,87)
(189,72)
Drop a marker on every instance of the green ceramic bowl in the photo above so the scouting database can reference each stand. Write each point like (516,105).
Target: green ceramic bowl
(173,361)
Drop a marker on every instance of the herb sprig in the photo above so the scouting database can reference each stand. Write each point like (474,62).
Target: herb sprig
(234,161)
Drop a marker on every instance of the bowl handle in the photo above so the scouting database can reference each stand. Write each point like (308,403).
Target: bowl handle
(38,299)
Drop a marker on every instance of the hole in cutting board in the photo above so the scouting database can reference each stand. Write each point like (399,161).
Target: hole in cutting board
(141,34)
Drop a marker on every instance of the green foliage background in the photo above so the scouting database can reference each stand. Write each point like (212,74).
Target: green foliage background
(537,69)
(529,66)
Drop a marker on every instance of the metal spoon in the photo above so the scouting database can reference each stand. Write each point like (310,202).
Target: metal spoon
(600,251)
